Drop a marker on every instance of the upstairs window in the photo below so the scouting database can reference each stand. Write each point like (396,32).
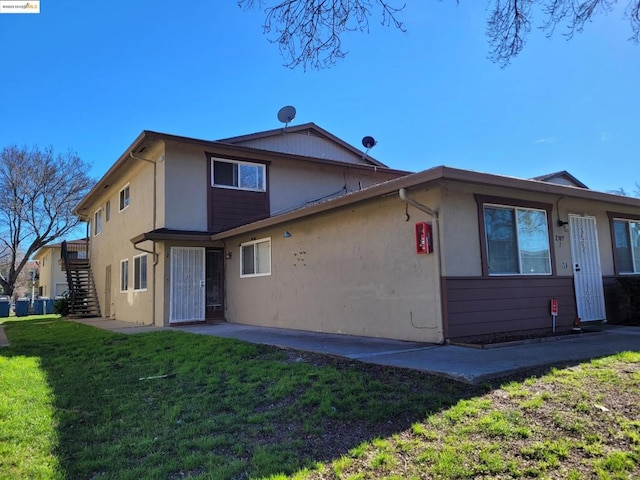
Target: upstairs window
(107,211)
(125,200)
(240,175)
(517,241)
(97,222)
(626,243)
(255,258)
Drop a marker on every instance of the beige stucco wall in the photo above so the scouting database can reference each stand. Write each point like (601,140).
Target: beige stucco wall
(50,271)
(460,227)
(113,244)
(295,184)
(351,271)
(185,187)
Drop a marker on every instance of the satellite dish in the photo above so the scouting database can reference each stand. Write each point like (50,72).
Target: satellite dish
(368,142)
(286,114)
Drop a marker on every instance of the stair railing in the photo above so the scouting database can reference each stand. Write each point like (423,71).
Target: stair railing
(64,255)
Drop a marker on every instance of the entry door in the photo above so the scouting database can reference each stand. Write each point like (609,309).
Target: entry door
(587,273)
(215,284)
(187,285)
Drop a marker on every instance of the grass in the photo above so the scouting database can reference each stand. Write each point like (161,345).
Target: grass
(77,402)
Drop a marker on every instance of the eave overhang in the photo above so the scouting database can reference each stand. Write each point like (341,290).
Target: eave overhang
(430,176)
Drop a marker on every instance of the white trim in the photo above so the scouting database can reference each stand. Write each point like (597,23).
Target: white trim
(138,272)
(254,242)
(96,223)
(515,209)
(128,188)
(120,275)
(194,292)
(262,166)
(628,221)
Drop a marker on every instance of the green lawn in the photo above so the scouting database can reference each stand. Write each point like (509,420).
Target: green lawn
(80,403)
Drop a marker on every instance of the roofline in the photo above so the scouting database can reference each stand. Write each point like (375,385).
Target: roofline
(217,148)
(427,176)
(171,235)
(299,128)
(561,173)
(41,250)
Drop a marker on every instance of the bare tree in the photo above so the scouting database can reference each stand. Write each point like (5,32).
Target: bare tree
(308,32)
(38,191)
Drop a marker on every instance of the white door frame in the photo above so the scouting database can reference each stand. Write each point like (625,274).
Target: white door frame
(587,272)
(187,285)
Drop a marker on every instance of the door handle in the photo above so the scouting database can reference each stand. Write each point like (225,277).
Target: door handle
(577,268)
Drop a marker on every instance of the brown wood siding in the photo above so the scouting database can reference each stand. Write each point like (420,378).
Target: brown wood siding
(231,208)
(477,306)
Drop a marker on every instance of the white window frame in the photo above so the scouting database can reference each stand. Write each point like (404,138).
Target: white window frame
(515,209)
(137,278)
(97,222)
(124,201)
(124,275)
(629,238)
(261,166)
(255,259)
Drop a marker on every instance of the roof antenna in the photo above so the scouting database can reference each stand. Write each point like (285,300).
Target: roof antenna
(285,115)
(368,143)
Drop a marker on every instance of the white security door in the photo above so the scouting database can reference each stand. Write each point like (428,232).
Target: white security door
(587,274)
(187,285)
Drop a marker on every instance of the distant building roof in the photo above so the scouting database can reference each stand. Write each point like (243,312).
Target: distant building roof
(561,178)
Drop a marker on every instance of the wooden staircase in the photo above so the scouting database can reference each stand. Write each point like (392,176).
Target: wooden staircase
(83,298)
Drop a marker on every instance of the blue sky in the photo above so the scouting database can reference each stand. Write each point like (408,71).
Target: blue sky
(90,76)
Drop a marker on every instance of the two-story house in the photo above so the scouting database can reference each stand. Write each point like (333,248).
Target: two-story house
(295,228)
(153,214)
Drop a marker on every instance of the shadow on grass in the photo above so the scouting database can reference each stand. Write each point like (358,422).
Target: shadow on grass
(170,404)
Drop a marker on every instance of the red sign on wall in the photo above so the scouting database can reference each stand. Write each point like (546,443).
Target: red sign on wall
(554,307)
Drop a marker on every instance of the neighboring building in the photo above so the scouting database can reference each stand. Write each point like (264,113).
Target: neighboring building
(153,213)
(53,276)
(317,236)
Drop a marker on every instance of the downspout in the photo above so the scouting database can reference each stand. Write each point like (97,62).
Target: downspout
(438,251)
(152,252)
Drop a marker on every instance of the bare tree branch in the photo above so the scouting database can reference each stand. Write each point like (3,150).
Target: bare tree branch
(309,32)
(39,191)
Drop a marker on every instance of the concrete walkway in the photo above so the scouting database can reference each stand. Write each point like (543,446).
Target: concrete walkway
(469,365)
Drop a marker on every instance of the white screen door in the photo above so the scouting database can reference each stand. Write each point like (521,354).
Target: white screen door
(187,285)
(587,274)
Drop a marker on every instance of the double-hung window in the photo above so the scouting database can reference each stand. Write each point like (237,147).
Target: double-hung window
(124,275)
(97,222)
(517,240)
(239,175)
(140,272)
(255,258)
(124,198)
(626,244)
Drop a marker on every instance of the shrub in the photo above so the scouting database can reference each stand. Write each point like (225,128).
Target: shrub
(61,306)
(629,291)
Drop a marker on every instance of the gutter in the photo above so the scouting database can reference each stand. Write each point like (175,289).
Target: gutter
(153,252)
(402,192)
